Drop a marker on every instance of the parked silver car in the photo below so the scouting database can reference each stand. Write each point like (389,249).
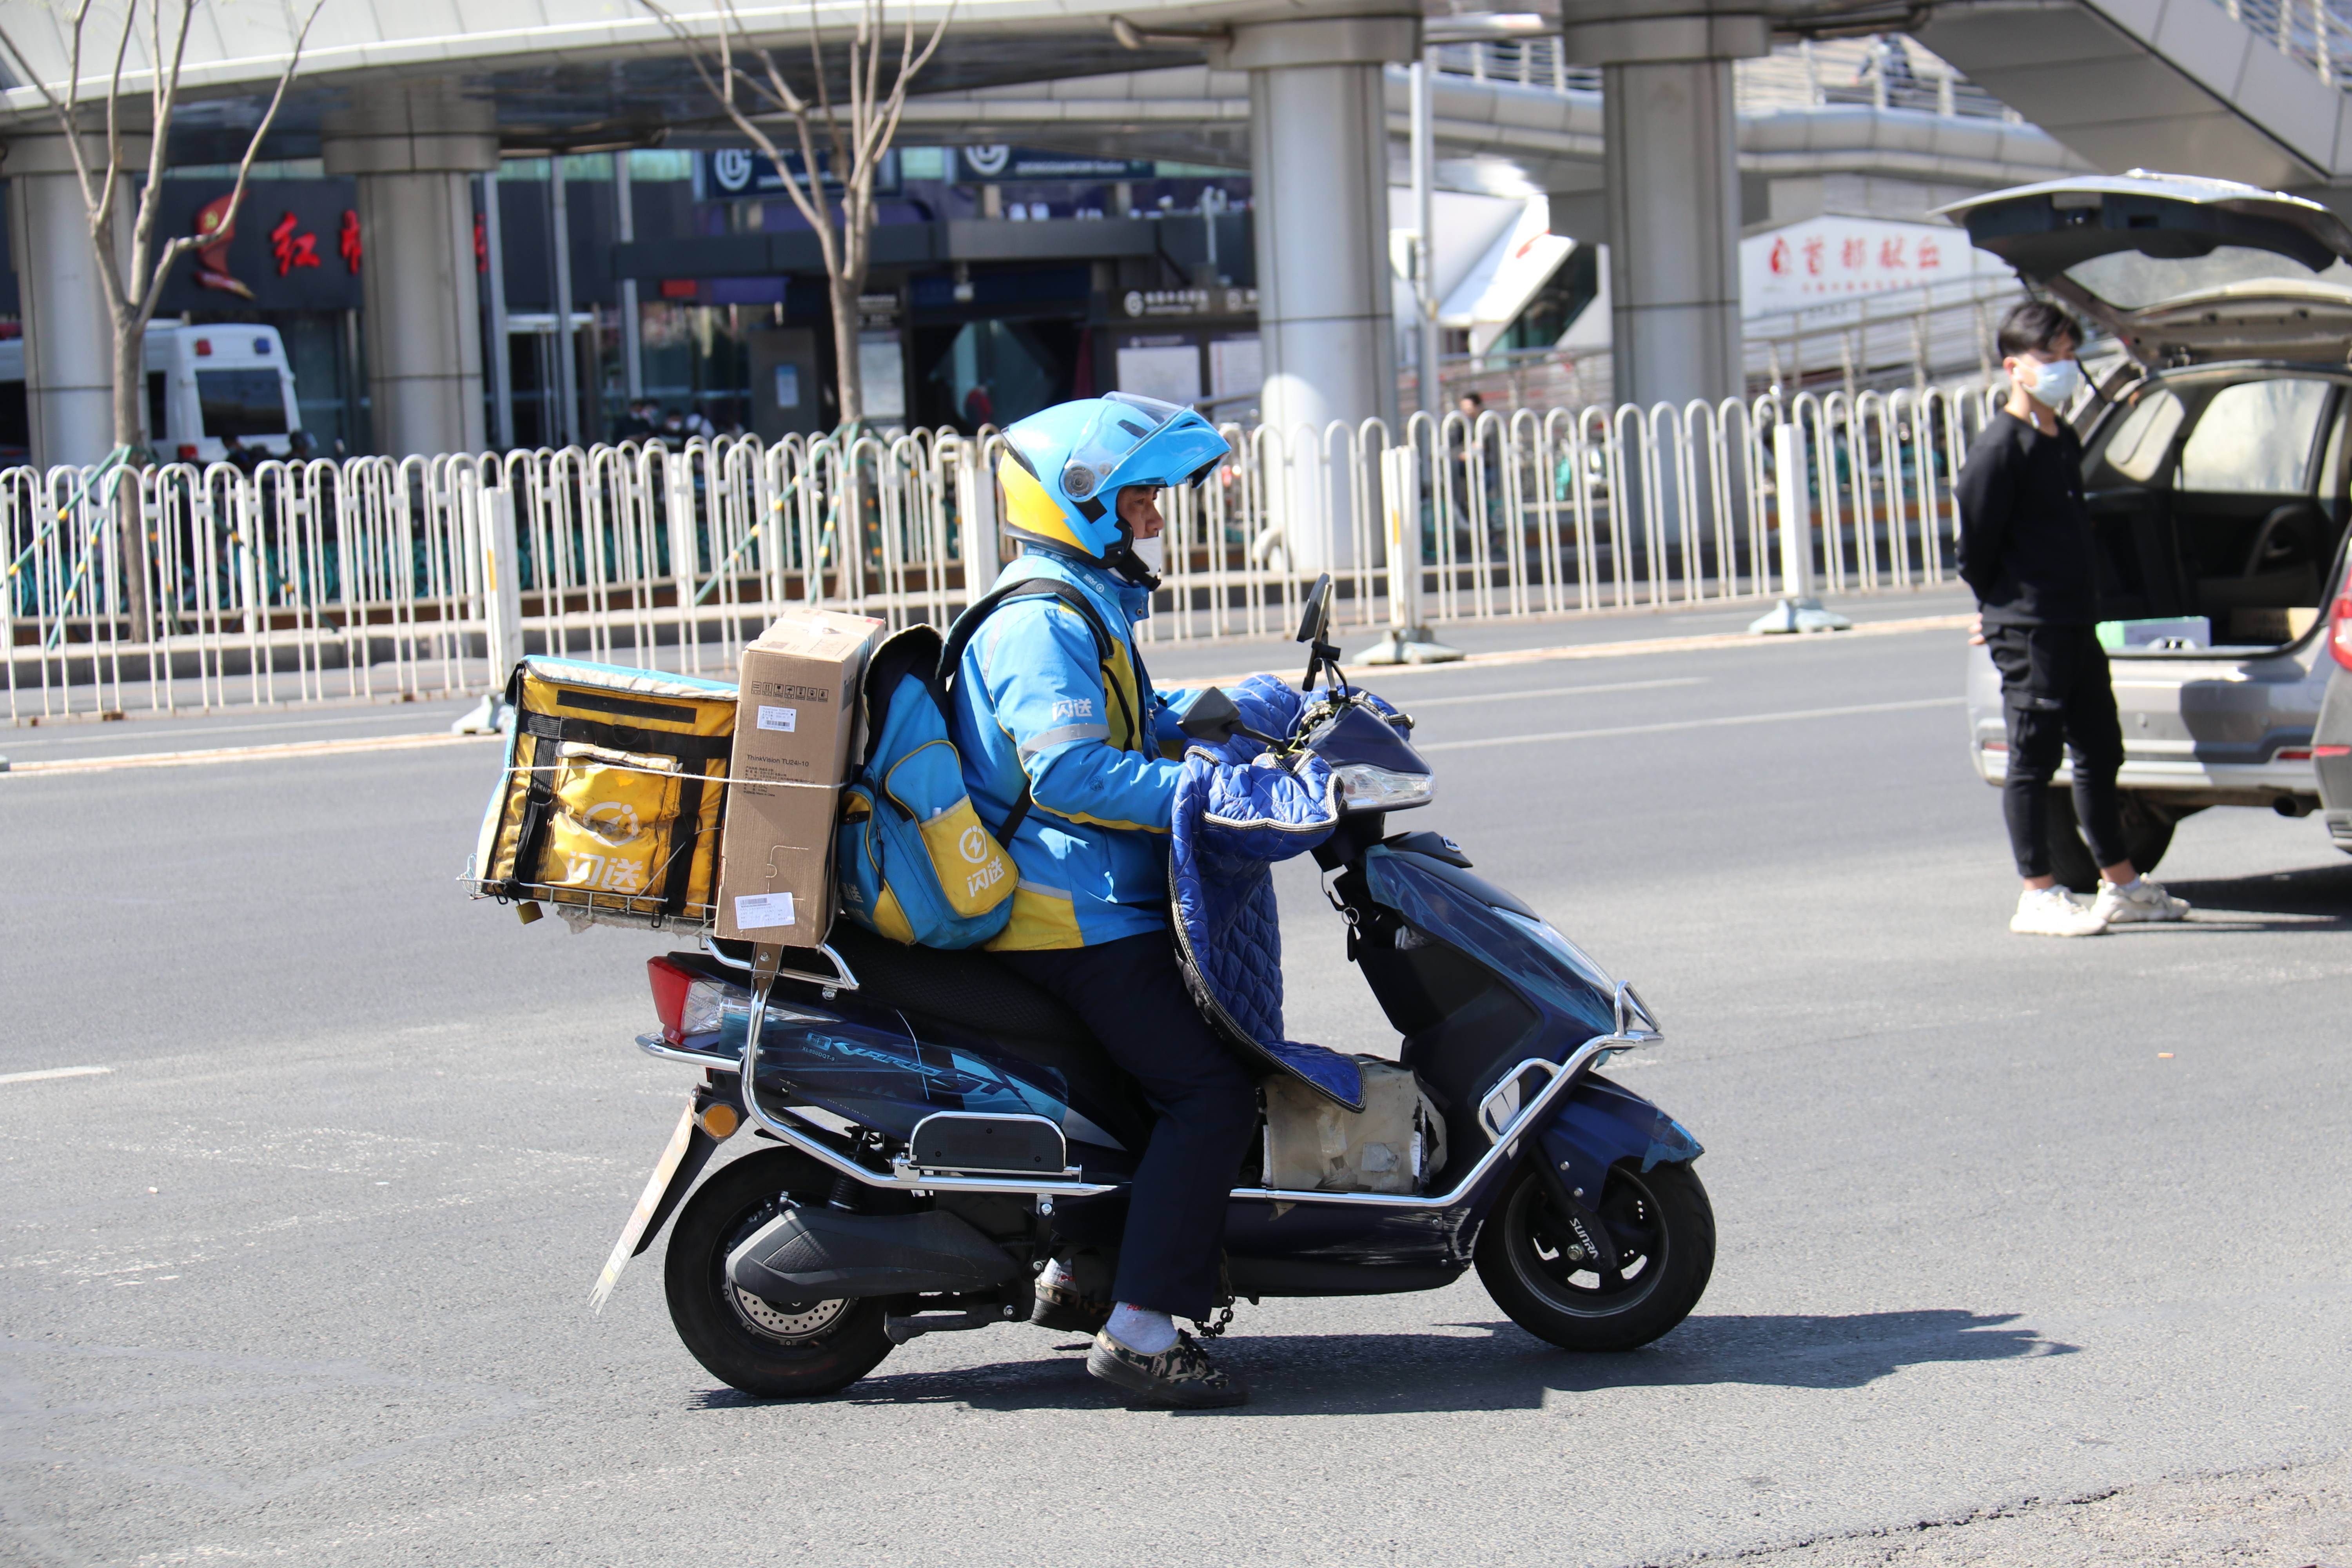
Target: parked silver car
(2218,469)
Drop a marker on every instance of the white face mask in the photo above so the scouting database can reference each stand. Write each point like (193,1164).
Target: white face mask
(1151,553)
(2054,384)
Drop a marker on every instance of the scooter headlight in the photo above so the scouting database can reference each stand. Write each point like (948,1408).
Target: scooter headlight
(1363,787)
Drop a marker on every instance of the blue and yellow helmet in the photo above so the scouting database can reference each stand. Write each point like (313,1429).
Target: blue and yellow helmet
(1064,466)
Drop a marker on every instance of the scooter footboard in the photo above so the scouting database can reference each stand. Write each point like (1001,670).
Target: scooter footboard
(1600,1123)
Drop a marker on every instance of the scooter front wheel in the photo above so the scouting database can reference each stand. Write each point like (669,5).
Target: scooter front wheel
(773,1349)
(1541,1272)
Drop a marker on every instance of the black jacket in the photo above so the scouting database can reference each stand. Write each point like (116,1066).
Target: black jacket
(2025,536)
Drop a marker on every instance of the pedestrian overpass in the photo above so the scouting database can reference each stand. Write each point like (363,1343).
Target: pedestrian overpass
(414,102)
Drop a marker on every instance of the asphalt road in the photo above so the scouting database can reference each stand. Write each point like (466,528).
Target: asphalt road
(2033,1252)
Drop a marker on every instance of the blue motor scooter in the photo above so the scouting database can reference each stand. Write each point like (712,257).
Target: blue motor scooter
(940,1128)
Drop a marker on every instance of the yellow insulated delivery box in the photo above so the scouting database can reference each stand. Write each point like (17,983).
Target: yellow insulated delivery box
(793,734)
(610,806)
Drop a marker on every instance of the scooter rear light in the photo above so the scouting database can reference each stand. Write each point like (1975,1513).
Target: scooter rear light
(670,985)
(686,1004)
(2339,620)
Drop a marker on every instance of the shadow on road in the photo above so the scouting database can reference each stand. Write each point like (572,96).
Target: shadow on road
(1501,1368)
(2313,897)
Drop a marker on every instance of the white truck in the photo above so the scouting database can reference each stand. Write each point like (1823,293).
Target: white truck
(203,383)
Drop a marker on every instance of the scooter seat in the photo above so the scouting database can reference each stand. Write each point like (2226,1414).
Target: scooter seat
(964,987)
(946,992)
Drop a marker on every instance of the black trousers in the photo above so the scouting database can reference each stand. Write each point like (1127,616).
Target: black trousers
(2055,688)
(1129,994)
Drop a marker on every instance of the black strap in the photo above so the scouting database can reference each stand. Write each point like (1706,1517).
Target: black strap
(537,799)
(679,875)
(967,625)
(628,738)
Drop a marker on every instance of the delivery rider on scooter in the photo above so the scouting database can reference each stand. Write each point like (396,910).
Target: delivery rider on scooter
(1040,705)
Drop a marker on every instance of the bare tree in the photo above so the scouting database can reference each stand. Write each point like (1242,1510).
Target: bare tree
(132,284)
(750,86)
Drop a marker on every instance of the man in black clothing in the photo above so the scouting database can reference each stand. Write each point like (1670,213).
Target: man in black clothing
(2026,548)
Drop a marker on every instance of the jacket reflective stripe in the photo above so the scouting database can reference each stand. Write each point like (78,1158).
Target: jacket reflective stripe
(1051,738)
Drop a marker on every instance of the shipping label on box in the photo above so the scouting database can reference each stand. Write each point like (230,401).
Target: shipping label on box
(795,725)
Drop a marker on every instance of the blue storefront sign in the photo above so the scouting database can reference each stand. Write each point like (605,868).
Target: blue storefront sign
(736,173)
(1001,164)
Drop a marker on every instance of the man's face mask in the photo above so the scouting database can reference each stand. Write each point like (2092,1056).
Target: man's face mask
(1152,553)
(2054,384)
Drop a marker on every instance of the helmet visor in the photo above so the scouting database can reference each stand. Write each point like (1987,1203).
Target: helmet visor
(1136,440)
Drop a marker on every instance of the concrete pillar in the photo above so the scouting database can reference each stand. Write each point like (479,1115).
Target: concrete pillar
(1320,185)
(68,330)
(412,149)
(1672,159)
(1671,164)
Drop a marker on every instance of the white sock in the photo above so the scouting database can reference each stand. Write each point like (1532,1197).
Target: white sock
(1057,1274)
(1140,1329)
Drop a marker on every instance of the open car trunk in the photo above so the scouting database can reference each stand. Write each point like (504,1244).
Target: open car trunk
(2181,270)
(2222,493)
(2219,487)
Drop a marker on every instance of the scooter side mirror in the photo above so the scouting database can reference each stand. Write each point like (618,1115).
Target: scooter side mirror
(1316,620)
(1212,717)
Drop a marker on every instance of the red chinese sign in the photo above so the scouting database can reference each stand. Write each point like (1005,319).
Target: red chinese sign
(290,248)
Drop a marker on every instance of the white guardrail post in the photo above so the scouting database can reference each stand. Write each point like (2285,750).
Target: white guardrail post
(1407,640)
(1799,610)
(491,510)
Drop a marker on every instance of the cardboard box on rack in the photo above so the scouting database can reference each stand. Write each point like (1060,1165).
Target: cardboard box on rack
(796,729)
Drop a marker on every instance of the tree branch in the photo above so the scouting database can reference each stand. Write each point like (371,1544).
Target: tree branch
(181,244)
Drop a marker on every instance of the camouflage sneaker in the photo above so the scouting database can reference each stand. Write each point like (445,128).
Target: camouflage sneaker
(1061,1308)
(1181,1377)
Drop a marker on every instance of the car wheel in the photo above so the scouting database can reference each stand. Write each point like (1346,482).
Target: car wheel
(2148,834)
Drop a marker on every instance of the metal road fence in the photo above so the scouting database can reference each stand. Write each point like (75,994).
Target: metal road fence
(175,589)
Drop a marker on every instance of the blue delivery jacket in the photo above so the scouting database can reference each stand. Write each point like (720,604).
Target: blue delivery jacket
(1097,745)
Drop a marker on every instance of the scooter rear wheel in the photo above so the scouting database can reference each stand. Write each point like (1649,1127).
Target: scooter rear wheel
(1537,1268)
(773,1349)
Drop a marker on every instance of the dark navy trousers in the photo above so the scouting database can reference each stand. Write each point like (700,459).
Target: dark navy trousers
(2059,698)
(1129,994)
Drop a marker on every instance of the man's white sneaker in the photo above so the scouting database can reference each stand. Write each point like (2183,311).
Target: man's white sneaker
(2143,899)
(2052,912)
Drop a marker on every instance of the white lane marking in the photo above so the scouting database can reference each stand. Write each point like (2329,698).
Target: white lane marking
(51,1072)
(1695,725)
(1562,692)
(1384,674)
(246,753)
(197,729)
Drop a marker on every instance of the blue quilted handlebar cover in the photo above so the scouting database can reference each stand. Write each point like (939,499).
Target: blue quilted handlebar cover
(1238,810)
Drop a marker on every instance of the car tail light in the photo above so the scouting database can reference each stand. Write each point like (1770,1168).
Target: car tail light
(2331,751)
(187,452)
(2294,754)
(2339,620)
(203,348)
